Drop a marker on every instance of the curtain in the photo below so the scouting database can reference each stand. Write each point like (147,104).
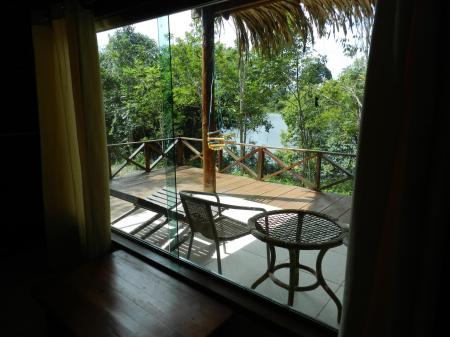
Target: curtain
(395,283)
(73,139)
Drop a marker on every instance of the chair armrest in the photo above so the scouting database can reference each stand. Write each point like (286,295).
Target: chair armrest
(209,194)
(223,207)
(245,208)
(238,213)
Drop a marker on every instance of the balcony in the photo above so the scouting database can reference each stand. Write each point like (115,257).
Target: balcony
(244,259)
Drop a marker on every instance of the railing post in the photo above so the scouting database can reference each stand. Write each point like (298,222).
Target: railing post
(147,156)
(260,167)
(317,173)
(180,152)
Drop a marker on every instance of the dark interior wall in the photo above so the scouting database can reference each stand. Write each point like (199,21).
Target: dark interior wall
(20,169)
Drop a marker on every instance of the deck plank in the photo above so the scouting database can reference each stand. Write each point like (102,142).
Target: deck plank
(190,178)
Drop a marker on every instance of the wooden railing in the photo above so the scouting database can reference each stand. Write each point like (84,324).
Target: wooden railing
(146,148)
(259,162)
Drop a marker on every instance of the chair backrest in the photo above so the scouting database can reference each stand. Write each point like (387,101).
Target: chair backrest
(199,215)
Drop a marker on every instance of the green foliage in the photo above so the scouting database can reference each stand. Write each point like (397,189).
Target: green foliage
(264,86)
(131,86)
(321,113)
(246,110)
(186,79)
(324,113)
(340,104)
(307,72)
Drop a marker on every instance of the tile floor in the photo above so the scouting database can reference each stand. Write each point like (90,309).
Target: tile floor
(245,261)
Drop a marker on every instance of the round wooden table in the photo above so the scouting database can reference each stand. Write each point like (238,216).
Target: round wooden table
(297,230)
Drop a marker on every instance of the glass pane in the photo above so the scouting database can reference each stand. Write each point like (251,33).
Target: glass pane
(136,74)
(289,132)
(167,129)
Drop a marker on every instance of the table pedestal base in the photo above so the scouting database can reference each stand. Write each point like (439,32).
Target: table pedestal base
(294,267)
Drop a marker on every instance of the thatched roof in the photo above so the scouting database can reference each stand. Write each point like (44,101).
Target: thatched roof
(270,25)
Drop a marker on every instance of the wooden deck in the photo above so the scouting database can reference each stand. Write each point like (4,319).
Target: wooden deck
(279,195)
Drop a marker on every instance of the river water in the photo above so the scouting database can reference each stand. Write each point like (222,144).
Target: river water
(271,138)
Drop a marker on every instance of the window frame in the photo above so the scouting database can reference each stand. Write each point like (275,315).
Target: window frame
(286,320)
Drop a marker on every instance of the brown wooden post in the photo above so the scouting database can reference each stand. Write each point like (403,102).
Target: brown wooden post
(180,153)
(209,172)
(318,169)
(147,156)
(260,168)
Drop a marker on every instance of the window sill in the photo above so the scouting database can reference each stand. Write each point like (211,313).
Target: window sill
(239,298)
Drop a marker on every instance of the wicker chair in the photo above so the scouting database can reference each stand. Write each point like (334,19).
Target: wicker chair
(205,215)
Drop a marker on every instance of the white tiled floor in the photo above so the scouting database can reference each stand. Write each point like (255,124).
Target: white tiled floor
(246,261)
(329,312)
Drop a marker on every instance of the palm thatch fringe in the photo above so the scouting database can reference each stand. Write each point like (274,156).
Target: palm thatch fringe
(275,24)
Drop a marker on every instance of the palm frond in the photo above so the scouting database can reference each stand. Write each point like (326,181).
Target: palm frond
(275,24)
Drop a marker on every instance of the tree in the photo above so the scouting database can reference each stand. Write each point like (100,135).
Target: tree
(340,107)
(241,101)
(307,73)
(130,79)
(131,84)
(186,79)
(325,115)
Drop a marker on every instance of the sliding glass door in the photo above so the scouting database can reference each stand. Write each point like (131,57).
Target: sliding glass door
(169,143)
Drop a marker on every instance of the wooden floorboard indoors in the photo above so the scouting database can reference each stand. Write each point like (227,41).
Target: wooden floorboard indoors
(121,295)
